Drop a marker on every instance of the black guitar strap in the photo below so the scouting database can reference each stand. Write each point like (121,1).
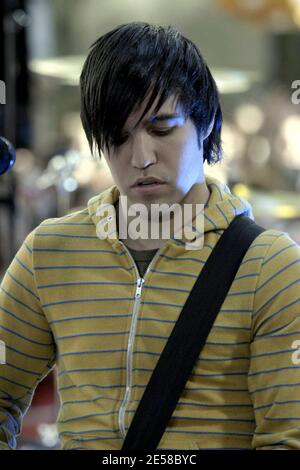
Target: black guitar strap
(189,335)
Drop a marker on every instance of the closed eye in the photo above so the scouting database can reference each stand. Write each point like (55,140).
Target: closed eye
(159,132)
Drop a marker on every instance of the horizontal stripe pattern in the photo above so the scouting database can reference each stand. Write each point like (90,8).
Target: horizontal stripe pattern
(67,299)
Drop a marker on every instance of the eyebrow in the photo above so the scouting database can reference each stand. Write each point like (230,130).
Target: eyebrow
(164,117)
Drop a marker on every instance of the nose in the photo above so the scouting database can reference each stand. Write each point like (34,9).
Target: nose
(143,152)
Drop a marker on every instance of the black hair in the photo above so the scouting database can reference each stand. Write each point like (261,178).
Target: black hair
(134,60)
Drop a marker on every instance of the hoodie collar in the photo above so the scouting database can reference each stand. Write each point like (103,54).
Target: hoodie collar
(221,208)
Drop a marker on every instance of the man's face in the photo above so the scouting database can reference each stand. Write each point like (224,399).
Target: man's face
(162,146)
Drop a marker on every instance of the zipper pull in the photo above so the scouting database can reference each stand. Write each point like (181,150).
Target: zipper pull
(139,287)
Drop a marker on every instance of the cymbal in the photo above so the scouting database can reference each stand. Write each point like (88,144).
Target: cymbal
(68,69)
(270,204)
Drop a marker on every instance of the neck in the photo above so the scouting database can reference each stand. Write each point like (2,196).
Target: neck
(198,194)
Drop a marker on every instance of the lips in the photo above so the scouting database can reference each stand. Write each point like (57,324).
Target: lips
(147,181)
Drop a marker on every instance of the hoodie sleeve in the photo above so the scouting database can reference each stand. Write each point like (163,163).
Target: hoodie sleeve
(274,375)
(27,340)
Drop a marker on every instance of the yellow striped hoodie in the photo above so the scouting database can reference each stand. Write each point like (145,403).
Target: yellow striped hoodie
(75,301)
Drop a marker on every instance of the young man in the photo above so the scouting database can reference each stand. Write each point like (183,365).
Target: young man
(102,308)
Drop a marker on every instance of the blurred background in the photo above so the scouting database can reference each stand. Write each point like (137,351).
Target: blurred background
(253,50)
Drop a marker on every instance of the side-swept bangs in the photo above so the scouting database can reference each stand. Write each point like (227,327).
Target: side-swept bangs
(137,60)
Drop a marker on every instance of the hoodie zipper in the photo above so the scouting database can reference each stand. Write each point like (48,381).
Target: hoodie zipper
(137,300)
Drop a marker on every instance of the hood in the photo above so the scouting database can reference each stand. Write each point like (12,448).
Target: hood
(221,208)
